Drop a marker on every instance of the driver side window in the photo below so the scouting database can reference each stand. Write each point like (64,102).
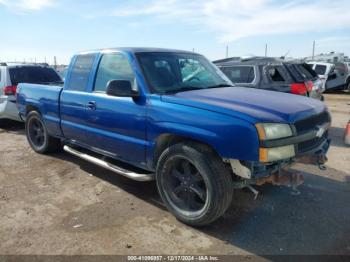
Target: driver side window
(113,67)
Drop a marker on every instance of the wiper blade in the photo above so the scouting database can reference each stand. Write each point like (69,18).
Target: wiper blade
(189,88)
(220,85)
(182,89)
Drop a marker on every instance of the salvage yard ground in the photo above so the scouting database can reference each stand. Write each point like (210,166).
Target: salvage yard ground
(59,204)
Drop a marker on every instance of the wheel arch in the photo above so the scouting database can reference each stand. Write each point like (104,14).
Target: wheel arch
(166,140)
(30,108)
(348,80)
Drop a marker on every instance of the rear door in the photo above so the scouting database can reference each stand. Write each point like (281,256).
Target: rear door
(74,98)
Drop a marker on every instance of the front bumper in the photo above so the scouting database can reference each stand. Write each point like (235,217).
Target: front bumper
(278,173)
(317,156)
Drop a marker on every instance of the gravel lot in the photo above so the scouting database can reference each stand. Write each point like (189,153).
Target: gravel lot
(59,204)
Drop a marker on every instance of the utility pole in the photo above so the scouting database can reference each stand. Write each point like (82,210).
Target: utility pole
(55,62)
(226,51)
(313,50)
(265,50)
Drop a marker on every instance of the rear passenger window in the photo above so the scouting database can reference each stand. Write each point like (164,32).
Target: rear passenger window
(79,77)
(239,74)
(275,74)
(33,75)
(113,67)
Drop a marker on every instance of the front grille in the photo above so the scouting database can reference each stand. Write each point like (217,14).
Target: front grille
(311,144)
(311,123)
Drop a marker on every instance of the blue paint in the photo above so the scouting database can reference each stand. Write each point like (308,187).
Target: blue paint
(128,128)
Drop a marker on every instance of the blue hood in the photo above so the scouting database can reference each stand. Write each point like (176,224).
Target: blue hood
(253,105)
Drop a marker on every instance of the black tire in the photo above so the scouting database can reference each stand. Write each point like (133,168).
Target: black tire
(203,164)
(38,138)
(347,88)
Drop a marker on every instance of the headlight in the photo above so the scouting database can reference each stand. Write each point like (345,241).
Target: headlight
(270,131)
(276,153)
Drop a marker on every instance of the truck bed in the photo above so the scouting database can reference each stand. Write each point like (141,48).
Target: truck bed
(46,98)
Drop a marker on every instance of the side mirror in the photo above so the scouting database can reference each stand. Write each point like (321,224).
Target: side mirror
(121,88)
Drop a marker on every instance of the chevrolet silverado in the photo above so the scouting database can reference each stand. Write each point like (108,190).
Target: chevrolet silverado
(174,117)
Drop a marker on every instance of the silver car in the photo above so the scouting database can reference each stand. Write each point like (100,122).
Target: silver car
(336,76)
(11,74)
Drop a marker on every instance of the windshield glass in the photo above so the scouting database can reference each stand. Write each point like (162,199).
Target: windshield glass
(175,72)
(33,75)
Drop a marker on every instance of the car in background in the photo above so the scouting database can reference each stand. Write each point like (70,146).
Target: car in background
(11,74)
(274,74)
(348,65)
(336,76)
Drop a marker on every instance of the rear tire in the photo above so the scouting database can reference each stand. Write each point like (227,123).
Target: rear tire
(194,183)
(38,138)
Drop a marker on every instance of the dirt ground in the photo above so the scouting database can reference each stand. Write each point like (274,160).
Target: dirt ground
(59,204)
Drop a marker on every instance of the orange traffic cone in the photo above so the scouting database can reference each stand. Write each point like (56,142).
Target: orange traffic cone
(347,134)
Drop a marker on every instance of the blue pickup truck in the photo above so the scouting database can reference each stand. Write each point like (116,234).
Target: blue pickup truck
(172,116)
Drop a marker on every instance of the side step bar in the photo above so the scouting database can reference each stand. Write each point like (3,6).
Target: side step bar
(109,166)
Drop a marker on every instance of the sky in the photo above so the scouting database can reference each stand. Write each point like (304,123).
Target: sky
(38,30)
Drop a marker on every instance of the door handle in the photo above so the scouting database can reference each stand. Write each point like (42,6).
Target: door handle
(91,105)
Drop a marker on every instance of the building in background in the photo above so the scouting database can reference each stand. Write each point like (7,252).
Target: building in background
(331,57)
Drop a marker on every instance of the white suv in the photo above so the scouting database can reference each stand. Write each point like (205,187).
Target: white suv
(335,76)
(11,74)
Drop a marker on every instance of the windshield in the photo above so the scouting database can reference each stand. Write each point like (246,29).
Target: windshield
(175,72)
(33,75)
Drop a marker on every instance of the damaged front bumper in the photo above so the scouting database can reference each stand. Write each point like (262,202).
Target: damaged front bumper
(317,156)
(278,173)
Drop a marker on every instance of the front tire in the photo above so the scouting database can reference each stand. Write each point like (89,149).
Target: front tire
(347,88)
(194,183)
(38,138)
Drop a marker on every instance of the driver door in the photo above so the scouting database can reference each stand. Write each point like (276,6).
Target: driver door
(116,124)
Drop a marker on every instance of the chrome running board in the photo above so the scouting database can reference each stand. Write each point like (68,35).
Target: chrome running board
(109,166)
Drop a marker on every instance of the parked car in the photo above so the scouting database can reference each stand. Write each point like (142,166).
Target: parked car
(273,74)
(336,76)
(348,65)
(11,75)
(173,116)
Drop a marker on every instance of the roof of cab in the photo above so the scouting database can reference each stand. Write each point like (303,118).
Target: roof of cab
(137,50)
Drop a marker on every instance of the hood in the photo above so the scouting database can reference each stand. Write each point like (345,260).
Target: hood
(253,105)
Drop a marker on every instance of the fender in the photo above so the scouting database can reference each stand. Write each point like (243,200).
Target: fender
(219,141)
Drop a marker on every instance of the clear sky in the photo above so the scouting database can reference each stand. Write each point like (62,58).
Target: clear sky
(45,28)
